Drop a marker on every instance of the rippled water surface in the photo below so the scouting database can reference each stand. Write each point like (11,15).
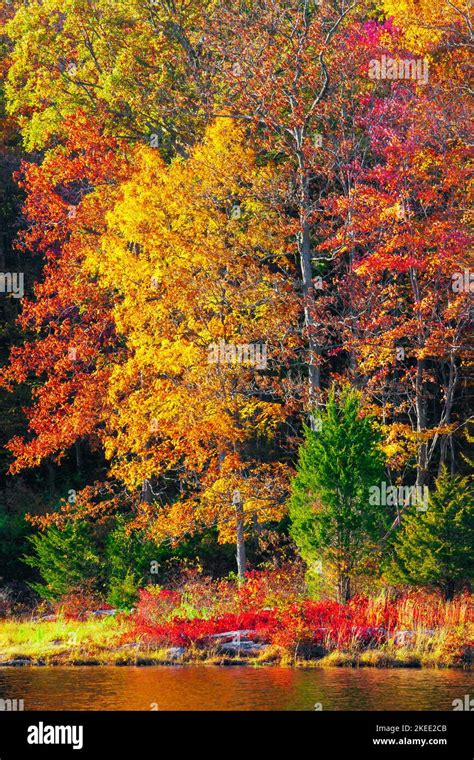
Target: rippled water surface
(232,688)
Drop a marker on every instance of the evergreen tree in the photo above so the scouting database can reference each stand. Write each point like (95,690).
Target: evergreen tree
(128,560)
(67,559)
(436,547)
(332,520)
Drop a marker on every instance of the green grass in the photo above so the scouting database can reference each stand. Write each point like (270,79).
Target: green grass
(96,641)
(44,639)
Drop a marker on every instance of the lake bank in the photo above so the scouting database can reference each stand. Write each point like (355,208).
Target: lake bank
(103,642)
(373,659)
(164,629)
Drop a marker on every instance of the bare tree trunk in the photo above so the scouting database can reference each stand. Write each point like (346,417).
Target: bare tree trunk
(51,476)
(240,540)
(77,449)
(420,403)
(449,591)
(344,588)
(446,440)
(147,493)
(420,400)
(304,250)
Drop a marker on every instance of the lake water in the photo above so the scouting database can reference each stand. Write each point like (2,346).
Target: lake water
(232,688)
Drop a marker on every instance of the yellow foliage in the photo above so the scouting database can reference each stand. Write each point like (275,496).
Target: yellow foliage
(423,21)
(187,251)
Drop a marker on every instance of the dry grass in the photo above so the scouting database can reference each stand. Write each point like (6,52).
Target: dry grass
(439,636)
(43,640)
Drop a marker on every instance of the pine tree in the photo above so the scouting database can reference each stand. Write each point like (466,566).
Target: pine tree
(128,560)
(67,560)
(435,547)
(332,520)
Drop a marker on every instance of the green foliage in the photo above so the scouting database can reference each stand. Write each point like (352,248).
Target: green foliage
(123,590)
(128,560)
(77,557)
(67,559)
(332,520)
(435,547)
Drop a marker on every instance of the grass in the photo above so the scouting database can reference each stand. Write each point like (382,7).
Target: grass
(440,649)
(97,641)
(38,640)
(100,641)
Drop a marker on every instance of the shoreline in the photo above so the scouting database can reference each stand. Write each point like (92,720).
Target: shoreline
(111,641)
(375,659)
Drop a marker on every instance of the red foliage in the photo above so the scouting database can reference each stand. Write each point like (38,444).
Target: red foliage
(332,624)
(285,619)
(315,622)
(182,632)
(68,321)
(78,605)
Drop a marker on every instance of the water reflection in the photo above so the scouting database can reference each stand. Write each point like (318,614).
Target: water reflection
(232,688)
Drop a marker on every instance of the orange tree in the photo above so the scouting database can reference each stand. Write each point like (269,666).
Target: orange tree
(204,304)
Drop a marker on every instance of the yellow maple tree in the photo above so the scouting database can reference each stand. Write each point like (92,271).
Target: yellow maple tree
(204,300)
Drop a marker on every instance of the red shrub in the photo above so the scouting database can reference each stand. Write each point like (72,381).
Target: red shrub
(77,605)
(290,620)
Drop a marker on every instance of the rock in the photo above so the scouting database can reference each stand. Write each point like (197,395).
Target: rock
(247,648)
(407,637)
(404,637)
(103,613)
(237,642)
(233,634)
(130,645)
(175,653)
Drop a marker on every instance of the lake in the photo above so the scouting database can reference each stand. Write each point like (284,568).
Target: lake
(232,688)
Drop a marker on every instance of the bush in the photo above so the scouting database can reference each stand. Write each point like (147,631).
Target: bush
(66,559)
(123,591)
(296,625)
(77,605)
(434,548)
(128,558)
(332,519)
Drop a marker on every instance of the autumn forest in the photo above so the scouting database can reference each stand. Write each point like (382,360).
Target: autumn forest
(236,355)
